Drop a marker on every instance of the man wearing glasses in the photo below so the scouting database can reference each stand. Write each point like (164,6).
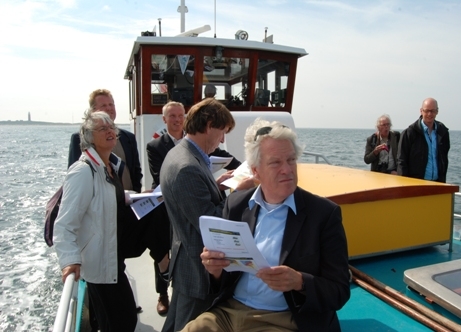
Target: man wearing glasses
(424,146)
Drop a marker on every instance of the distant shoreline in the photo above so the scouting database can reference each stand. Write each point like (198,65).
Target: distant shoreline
(21,122)
(34,123)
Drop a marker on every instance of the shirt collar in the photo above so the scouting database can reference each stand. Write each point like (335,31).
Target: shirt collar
(257,198)
(175,140)
(203,154)
(425,128)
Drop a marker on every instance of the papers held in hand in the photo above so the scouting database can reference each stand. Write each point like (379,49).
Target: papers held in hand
(145,202)
(235,240)
(218,163)
(240,173)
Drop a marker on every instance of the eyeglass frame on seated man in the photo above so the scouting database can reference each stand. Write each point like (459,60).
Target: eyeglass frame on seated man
(435,111)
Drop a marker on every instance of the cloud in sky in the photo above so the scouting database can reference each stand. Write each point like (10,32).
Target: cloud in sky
(365,58)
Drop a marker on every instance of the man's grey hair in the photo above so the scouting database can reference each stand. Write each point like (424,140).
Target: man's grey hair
(90,122)
(261,129)
(384,116)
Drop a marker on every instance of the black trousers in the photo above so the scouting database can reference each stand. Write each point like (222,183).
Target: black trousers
(150,232)
(114,304)
(161,286)
(135,236)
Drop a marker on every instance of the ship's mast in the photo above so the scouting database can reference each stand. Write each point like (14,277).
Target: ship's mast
(183,10)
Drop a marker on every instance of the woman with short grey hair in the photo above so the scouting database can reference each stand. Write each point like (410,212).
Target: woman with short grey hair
(90,226)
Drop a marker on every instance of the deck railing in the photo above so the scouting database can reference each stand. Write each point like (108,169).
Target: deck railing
(65,317)
(455,214)
(317,156)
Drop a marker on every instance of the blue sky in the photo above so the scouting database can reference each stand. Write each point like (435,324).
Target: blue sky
(365,58)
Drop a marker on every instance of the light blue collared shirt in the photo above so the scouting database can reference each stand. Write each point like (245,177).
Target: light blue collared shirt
(270,227)
(432,172)
(206,159)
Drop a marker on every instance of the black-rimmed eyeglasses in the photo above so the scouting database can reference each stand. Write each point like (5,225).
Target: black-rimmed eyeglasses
(434,111)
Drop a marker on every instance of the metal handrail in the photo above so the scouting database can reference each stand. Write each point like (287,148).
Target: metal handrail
(65,315)
(455,214)
(317,156)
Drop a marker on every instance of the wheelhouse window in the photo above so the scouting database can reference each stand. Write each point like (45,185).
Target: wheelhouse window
(271,83)
(172,78)
(229,76)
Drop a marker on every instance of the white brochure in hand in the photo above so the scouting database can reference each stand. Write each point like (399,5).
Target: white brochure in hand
(235,240)
(218,163)
(146,202)
(240,173)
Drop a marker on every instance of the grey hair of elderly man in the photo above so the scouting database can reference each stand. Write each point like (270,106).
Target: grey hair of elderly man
(253,138)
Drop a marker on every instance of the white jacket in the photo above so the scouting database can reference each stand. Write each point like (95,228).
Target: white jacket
(85,230)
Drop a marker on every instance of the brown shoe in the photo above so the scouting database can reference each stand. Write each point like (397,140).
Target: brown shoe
(163,304)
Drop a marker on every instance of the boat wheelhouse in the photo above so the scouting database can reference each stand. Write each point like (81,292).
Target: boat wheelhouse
(247,75)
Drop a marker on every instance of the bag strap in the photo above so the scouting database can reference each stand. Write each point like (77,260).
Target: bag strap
(91,166)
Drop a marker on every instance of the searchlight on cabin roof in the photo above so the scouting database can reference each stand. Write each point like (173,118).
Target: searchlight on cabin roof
(241,35)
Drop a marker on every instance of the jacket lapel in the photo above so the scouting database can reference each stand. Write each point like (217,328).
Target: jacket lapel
(168,142)
(250,216)
(293,225)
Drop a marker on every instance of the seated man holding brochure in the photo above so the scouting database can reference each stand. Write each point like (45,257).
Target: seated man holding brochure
(300,235)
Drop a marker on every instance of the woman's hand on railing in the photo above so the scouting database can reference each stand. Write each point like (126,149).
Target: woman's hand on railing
(74,268)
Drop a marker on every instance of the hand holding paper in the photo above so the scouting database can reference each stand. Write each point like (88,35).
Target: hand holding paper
(218,163)
(214,262)
(234,239)
(242,172)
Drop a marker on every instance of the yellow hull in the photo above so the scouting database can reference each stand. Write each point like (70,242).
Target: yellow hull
(383,213)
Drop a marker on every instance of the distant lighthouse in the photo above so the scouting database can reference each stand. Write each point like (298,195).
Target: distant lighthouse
(28,117)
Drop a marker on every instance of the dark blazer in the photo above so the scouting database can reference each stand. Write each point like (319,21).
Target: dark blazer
(314,243)
(159,147)
(373,141)
(414,151)
(130,147)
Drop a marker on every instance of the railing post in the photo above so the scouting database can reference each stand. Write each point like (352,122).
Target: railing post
(64,304)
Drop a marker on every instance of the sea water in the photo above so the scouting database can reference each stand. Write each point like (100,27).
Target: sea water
(33,163)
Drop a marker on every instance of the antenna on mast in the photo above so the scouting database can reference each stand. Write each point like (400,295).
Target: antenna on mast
(183,10)
(215,18)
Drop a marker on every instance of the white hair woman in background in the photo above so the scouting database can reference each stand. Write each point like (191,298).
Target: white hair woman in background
(382,146)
